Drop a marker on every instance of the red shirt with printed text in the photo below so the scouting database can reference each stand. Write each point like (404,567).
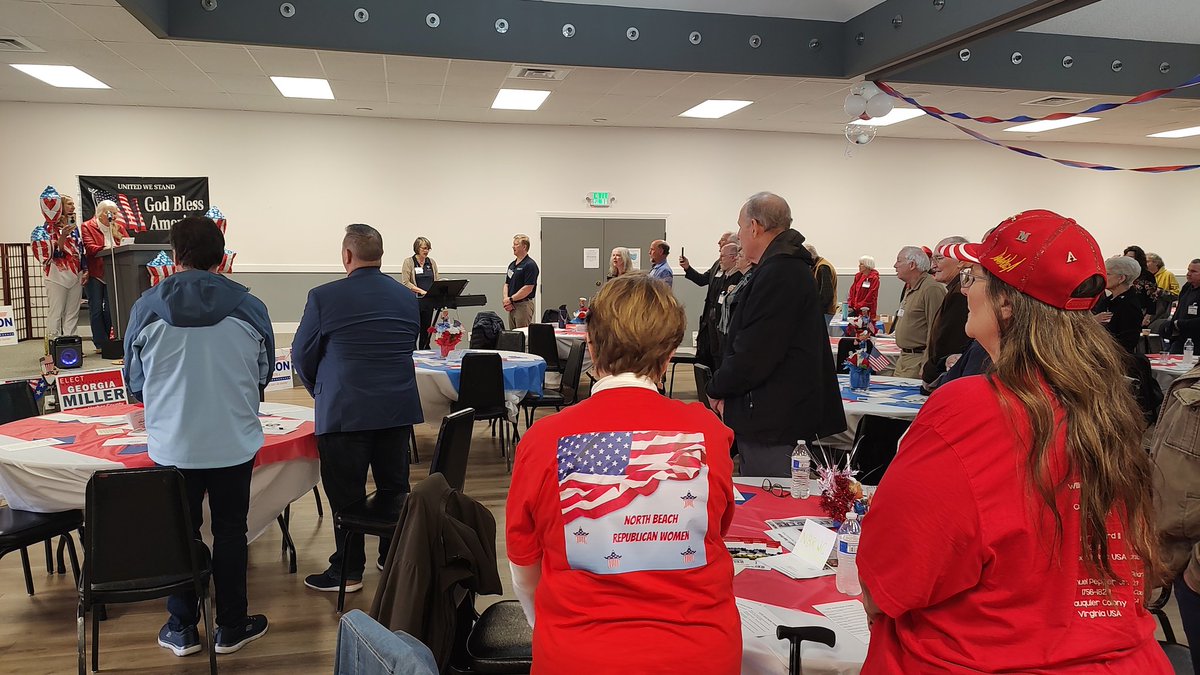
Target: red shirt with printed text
(960,556)
(624,499)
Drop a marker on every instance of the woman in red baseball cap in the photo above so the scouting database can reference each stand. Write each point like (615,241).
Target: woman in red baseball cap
(1013,532)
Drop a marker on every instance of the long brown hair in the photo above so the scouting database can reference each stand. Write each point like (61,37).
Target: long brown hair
(1085,370)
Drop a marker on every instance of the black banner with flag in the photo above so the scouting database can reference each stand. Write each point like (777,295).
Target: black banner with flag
(145,203)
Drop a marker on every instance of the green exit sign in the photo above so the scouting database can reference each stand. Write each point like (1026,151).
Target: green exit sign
(599,199)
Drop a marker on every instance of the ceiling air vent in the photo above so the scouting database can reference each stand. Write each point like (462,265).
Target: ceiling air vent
(16,44)
(1055,101)
(537,73)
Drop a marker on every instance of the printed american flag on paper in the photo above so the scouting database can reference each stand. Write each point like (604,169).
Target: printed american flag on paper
(599,473)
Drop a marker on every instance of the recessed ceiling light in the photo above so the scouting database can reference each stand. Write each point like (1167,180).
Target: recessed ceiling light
(714,108)
(1048,125)
(303,87)
(1178,133)
(61,76)
(895,117)
(519,99)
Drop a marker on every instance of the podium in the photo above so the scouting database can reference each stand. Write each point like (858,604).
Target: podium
(125,279)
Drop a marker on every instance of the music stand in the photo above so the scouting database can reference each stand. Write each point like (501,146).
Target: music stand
(443,294)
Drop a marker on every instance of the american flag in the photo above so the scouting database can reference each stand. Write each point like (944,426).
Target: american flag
(599,473)
(129,215)
(878,361)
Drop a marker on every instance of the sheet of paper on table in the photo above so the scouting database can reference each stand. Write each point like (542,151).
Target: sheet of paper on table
(127,440)
(786,563)
(291,412)
(111,431)
(64,417)
(785,535)
(757,620)
(29,445)
(795,521)
(278,426)
(108,420)
(814,545)
(849,615)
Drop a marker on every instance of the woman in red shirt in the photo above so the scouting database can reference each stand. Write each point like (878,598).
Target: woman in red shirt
(1013,533)
(864,292)
(618,508)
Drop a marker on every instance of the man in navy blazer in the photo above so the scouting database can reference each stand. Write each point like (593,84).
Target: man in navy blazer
(353,353)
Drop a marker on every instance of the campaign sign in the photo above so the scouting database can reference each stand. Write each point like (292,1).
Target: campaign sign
(281,373)
(8,327)
(96,387)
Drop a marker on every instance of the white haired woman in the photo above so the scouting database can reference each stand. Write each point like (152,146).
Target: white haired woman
(864,292)
(620,262)
(1120,311)
(103,231)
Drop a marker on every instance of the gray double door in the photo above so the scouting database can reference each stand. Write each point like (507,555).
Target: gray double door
(564,276)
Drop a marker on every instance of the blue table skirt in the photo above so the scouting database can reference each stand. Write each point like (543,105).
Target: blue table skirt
(522,372)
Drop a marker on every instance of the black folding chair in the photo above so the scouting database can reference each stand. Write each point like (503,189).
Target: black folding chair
(481,386)
(684,356)
(377,513)
(543,343)
(22,529)
(511,341)
(703,374)
(17,402)
(1179,655)
(568,387)
(875,441)
(138,546)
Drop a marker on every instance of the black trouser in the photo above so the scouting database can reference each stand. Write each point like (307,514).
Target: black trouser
(228,490)
(423,334)
(345,457)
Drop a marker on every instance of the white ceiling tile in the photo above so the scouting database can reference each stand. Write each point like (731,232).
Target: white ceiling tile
(408,110)
(288,62)
(111,24)
(228,59)
(161,56)
(592,80)
(477,74)
(414,94)
(254,102)
(757,88)
(468,97)
(415,70)
(706,85)
(78,53)
(35,19)
(647,83)
(809,91)
(246,84)
(356,67)
(561,101)
(126,79)
(350,90)
(472,114)
(47,94)
(186,81)
(611,104)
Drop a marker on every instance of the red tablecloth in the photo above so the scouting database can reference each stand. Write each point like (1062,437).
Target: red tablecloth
(81,437)
(768,586)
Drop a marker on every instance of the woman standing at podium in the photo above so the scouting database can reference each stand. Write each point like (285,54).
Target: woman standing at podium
(418,273)
(103,231)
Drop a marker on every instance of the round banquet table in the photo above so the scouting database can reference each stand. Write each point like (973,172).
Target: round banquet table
(789,600)
(564,339)
(48,478)
(1168,367)
(438,378)
(898,397)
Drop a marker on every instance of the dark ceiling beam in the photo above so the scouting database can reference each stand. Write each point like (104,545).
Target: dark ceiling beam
(898,34)
(466,29)
(1097,65)
(153,14)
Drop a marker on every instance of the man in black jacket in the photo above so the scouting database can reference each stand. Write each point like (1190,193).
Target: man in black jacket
(1185,323)
(776,383)
(704,342)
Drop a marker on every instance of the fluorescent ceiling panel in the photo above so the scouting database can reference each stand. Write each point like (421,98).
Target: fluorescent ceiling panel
(61,76)
(715,108)
(895,117)
(519,99)
(303,87)
(1050,125)
(1177,133)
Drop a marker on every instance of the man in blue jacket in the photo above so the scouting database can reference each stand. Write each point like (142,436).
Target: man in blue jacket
(353,353)
(198,352)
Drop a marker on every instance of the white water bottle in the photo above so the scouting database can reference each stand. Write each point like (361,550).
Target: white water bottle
(847,556)
(801,463)
(1189,349)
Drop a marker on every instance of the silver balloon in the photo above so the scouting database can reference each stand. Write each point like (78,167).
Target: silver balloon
(869,90)
(879,105)
(859,134)
(855,105)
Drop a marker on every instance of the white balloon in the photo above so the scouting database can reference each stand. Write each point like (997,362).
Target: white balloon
(863,139)
(855,105)
(869,90)
(857,88)
(878,106)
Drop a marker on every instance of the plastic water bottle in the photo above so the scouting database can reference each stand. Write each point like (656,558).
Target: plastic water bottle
(847,556)
(801,463)
(1189,349)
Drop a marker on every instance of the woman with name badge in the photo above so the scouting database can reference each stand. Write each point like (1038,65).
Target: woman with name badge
(418,273)
(1014,532)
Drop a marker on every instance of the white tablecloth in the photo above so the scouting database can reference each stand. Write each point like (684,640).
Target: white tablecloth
(47,479)
(437,392)
(1167,370)
(882,400)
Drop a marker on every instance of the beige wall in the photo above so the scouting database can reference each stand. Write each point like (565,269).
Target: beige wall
(289,182)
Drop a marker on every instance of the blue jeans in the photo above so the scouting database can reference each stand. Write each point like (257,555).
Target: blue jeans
(98,315)
(1189,612)
(228,491)
(367,648)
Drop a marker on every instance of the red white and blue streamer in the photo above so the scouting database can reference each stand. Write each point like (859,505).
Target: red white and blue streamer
(1075,164)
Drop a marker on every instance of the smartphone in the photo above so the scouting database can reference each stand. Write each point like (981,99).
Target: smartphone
(71,218)
(681,253)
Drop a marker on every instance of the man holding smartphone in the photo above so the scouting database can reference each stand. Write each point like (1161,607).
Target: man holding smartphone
(57,246)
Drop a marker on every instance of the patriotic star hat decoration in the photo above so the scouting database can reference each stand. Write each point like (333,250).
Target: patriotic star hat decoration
(217,217)
(51,203)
